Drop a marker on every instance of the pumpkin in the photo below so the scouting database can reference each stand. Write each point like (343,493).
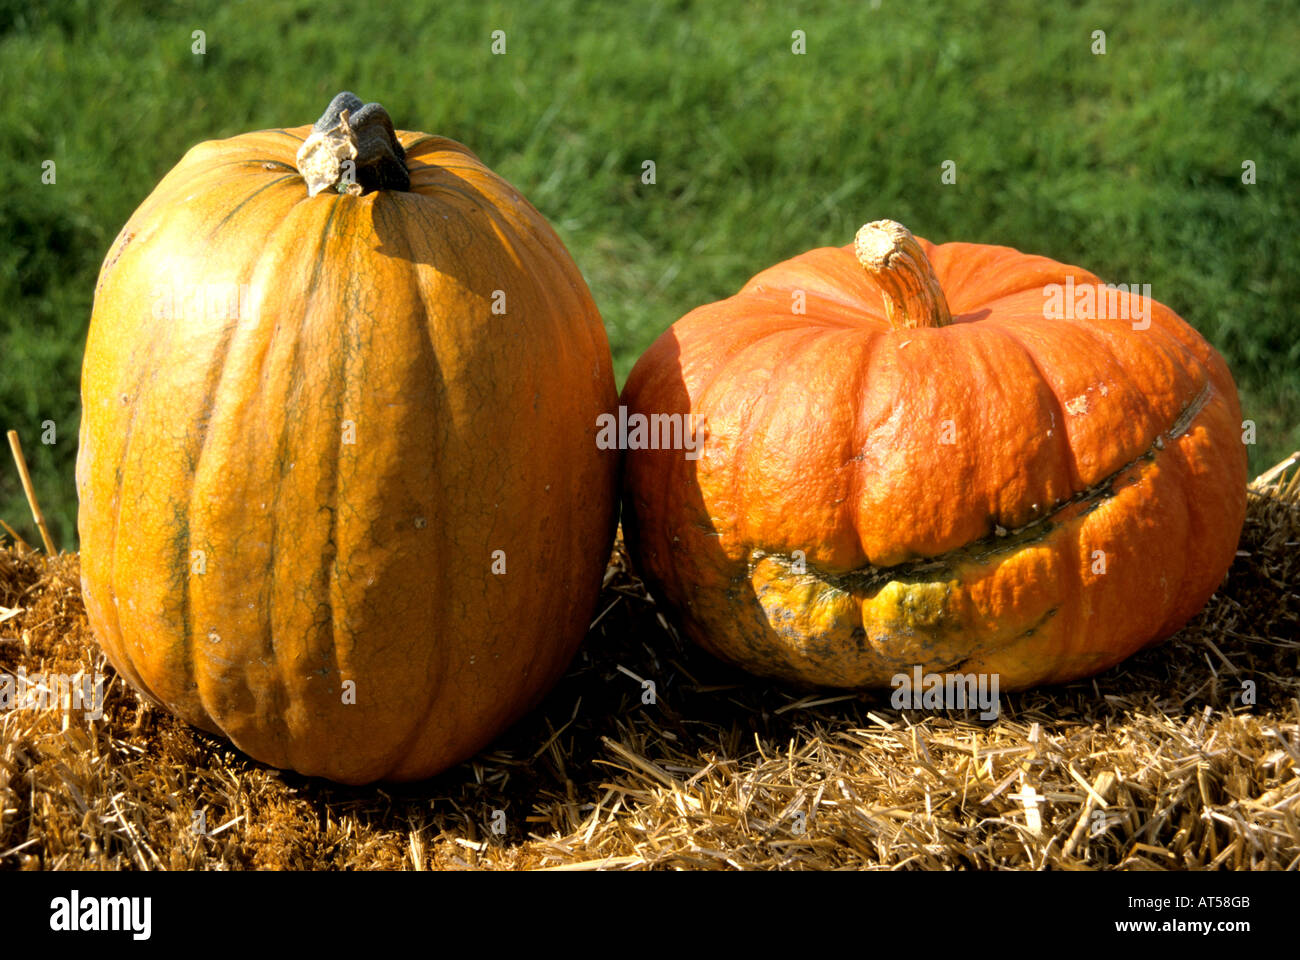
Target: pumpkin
(932,456)
(340,498)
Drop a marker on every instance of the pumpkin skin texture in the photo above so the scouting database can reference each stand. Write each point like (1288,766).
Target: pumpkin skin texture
(1000,494)
(279,506)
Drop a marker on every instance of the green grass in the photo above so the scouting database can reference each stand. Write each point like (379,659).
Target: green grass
(1128,164)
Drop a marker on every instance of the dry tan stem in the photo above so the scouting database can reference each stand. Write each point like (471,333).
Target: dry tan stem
(894,259)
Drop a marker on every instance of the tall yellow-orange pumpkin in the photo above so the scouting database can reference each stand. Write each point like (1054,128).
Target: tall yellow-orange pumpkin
(908,461)
(340,497)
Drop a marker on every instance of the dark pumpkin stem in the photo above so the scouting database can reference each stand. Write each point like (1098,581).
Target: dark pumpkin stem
(354,149)
(894,259)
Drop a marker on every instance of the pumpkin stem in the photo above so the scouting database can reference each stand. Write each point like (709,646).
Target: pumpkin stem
(353,148)
(891,255)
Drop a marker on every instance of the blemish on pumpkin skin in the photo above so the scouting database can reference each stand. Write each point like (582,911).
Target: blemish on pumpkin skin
(905,608)
(1000,540)
(118,248)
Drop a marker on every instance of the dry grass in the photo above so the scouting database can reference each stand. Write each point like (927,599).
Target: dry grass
(1155,765)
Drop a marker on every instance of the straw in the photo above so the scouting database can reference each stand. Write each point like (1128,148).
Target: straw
(1161,763)
(16,448)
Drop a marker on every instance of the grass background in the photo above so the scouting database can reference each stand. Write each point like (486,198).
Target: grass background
(1129,164)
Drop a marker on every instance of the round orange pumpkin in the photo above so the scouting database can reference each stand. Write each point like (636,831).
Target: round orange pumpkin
(340,497)
(936,457)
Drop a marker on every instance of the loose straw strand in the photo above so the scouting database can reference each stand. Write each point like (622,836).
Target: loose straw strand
(14,534)
(17,448)
(1276,471)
